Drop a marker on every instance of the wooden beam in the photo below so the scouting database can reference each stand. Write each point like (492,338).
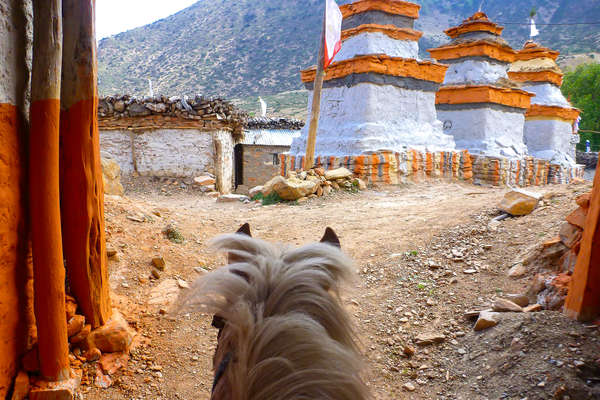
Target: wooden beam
(48,268)
(82,191)
(583,300)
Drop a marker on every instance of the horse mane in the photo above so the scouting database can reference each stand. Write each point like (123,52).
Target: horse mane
(289,333)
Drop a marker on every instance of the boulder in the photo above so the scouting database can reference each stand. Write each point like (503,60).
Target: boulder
(232,198)
(426,339)
(61,390)
(115,336)
(487,319)
(157,108)
(519,202)
(503,305)
(119,106)
(111,176)
(268,187)
(254,191)
(75,325)
(517,270)
(159,263)
(583,200)
(138,110)
(82,335)
(340,173)
(519,299)
(570,234)
(204,180)
(577,218)
(293,188)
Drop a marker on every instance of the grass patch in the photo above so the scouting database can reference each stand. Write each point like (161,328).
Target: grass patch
(173,235)
(271,198)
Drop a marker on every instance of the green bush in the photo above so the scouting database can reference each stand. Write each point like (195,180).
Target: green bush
(582,88)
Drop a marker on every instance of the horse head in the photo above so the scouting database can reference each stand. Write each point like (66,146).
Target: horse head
(283,332)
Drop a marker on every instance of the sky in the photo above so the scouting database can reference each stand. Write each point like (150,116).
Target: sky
(115,16)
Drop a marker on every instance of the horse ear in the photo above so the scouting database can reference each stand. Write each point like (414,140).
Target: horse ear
(245,230)
(331,238)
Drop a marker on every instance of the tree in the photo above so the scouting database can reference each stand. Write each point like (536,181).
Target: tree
(582,88)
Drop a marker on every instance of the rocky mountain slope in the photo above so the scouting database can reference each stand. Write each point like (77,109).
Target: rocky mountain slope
(242,48)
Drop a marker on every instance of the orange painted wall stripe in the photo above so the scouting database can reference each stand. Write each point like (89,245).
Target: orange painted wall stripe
(390,31)
(483,94)
(395,7)
(539,76)
(474,49)
(381,64)
(474,26)
(552,112)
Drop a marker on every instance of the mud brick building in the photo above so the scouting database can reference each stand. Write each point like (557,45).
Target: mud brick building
(257,156)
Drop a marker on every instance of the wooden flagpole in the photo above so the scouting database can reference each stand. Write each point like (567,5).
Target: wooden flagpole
(316,102)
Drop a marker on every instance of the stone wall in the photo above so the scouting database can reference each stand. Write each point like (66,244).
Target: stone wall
(414,166)
(16,287)
(117,111)
(274,123)
(590,160)
(171,152)
(261,163)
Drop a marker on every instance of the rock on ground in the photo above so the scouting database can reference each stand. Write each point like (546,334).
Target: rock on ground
(340,173)
(519,202)
(232,198)
(111,176)
(487,319)
(294,189)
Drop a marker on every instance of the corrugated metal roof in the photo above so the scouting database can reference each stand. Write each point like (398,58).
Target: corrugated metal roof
(270,137)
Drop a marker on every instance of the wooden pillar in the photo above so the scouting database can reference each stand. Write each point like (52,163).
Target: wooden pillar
(48,269)
(583,301)
(82,191)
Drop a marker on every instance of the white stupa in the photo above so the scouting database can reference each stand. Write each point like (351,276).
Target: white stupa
(376,95)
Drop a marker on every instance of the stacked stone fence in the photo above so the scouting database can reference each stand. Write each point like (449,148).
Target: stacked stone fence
(590,160)
(122,110)
(274,123)
(413,167)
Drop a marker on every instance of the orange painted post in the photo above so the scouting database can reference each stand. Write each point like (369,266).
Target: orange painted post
(82,191)
(48,268)
(583,301)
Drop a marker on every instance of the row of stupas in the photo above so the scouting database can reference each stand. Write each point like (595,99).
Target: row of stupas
(480,95)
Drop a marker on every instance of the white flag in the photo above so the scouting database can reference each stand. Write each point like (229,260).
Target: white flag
(534,31)
(263,107)
(333,31)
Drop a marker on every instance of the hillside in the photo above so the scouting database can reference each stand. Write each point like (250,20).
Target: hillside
(241,49)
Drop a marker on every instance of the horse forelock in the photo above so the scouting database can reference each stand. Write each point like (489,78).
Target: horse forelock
(285,322)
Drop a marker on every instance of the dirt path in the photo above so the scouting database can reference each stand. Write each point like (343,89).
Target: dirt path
(394,235)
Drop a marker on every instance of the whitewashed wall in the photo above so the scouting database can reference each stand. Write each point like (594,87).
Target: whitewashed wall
(171,152)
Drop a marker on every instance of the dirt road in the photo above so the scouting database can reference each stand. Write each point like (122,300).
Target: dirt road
(398,236)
